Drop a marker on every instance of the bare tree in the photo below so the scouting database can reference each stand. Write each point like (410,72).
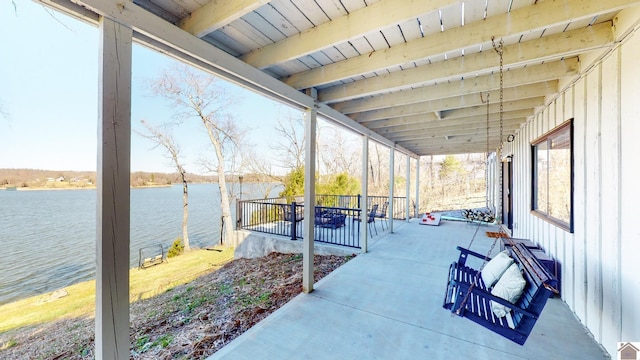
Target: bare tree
(164,138)
(291,148)
(256,164)
(200,96)
(338,152)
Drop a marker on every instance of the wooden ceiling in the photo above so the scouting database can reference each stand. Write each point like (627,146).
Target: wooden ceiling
(417,73)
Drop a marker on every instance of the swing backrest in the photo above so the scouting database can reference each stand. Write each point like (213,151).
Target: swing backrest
(540,286)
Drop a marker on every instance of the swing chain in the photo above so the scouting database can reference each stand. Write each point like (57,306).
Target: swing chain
(474,235)
(486,165)
(475,278)
(500,50)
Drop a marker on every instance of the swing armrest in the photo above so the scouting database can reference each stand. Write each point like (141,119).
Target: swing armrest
(487,295)
(465,252)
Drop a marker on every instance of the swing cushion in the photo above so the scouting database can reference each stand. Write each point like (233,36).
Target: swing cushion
(494,269)
(510,287)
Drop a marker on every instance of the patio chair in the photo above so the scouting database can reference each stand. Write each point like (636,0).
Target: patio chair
(382,214)
(329,218)
(371,218)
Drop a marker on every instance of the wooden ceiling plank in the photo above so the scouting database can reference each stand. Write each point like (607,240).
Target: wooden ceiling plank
(498,7)
(274,31)
(453,131)
(494,108)
(428,122)
(416,122)
(358,23)
(377,40)
(443,105)
(410,29)
(392,35)
(477,143)
(432,100)
(312,11)
(530,74)
(333,8)
(551,47)
(216,14)
(294,16)
(451,16)
(277,20)
(478,134)
(524,20)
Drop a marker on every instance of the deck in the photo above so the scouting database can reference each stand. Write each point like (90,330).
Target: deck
(387,304)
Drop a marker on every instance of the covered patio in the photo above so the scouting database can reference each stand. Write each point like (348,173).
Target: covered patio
(423,78)
(387,304)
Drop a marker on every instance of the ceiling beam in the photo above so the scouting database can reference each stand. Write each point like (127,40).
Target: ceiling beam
(440,97)
(478,131)
(452,149)
(474,104)
(216,14)
(510,118)
(414,123)
(522,76)
(494,108)
(368,19)
(523,20)
(548,48)
(477,143)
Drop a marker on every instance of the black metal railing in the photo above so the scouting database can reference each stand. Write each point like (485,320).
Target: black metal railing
(339,201)
(399,205)
(336,218)
(264,215)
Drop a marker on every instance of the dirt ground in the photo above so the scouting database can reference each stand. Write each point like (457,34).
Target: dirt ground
(191,321)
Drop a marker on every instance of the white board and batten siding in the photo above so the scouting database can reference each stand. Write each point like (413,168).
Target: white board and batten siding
(600,260)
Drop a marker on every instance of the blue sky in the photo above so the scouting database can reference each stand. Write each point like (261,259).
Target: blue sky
(48,93)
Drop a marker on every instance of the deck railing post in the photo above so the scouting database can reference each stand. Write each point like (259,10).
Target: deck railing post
(238,215)
(294,221)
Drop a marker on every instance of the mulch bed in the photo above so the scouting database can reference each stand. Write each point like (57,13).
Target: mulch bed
(190,321)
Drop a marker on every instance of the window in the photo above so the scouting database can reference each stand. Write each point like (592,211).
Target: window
(552,195)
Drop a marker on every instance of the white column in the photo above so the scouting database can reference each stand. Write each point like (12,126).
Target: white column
(392,153)
(310,122)
(364,228)
(417,187)
(113,171)
(408,189)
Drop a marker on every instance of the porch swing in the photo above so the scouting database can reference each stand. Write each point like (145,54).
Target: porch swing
(508,292)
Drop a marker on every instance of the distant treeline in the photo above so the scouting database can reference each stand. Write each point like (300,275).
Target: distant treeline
(56,178)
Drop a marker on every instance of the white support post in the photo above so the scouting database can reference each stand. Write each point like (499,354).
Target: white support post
(408,189)
(309,194)
(364,203)
(417,210)
(113,193)
(392,153)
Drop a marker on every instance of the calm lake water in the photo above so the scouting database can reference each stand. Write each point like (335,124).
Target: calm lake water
(48,237)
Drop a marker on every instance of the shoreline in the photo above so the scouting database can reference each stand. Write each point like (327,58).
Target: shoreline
(44,188)
(79,298)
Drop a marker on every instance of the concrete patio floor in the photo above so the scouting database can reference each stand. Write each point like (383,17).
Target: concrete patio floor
(387,304)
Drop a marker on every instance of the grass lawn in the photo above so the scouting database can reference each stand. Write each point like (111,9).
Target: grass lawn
(143,284)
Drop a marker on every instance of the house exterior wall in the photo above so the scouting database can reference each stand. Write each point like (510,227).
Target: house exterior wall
(600,260)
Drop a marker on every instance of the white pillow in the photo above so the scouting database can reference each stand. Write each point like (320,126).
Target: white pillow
(494,268)
(510,287)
